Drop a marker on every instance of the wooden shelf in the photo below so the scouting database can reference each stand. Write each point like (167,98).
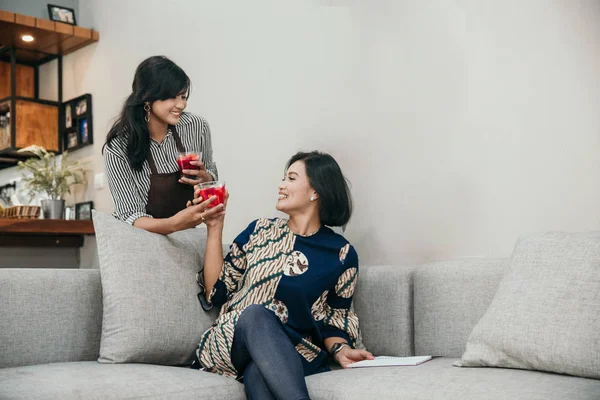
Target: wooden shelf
(51,38)
(47,226)
(44,232)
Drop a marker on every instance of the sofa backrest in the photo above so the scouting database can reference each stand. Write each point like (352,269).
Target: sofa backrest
(384,305)
(449,299)
(426,310)
(55,315)
(49,315)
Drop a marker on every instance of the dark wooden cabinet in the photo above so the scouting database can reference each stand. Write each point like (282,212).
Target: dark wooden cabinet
(25,119)
(25,80)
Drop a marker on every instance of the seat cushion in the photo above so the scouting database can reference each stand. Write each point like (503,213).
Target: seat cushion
(94,381)
(438,379)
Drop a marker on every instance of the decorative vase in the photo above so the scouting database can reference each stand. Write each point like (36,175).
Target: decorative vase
(53,209)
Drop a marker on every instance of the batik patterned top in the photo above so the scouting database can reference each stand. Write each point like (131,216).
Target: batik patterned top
(308,282)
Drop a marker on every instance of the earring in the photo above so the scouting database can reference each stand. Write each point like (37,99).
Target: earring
(312,198)
(147,109)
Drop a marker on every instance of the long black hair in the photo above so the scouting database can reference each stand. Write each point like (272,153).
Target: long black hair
(326,177)
(156,78)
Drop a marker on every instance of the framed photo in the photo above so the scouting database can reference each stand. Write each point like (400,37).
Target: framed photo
(70,212)
(62,14)
(68,116)
(77,130)
(81,107)
(84,210)
(83,131)
(72,140)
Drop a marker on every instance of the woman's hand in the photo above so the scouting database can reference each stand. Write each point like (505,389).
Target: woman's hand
(213,219)
(347,356)
(200,175)
(195,214)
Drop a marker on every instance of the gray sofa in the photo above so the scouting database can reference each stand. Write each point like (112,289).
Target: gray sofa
(51,327)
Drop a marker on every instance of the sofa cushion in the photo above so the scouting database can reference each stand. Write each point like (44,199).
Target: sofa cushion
(151,310)
(383,303)
(450,297)
(49,315)
(95,381)
(546,312)
(437,379)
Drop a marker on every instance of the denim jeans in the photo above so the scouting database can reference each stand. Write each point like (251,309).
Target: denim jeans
(265,356)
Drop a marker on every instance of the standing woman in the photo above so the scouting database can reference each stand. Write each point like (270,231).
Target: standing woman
(142,147)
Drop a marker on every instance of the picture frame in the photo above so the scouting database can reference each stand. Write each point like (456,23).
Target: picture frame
(83,211)
(68,116)
(62,14)
(76,125)
(83,131)
(72,140)
(70,213)
(81,107)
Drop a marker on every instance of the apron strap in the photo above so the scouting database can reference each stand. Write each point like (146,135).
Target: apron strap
(178,143)
(151,163)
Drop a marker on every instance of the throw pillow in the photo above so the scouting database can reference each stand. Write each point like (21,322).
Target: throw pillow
(151,312)
(546,313)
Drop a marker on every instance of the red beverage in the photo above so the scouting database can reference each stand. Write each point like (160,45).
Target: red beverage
(184,160)
(215,188)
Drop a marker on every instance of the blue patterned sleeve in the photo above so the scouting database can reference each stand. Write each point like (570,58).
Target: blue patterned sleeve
(340,319)
(234,267)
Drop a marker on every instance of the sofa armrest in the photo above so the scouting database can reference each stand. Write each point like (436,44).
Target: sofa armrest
(383,302)
(49,315)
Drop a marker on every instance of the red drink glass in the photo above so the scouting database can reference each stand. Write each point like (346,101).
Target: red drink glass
(184,160)
(214,188)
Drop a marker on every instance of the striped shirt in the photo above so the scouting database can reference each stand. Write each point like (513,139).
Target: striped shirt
(129,188)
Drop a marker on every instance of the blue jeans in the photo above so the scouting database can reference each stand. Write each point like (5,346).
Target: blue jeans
(266,357)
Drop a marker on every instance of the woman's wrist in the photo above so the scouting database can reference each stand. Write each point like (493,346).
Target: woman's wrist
(338,348)
(173,224)
(214,228)
(341,351)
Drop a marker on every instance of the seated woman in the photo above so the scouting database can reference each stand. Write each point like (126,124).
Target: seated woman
(285,287)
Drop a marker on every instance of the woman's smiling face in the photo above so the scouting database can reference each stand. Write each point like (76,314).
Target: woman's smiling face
(168,111)
(295,190)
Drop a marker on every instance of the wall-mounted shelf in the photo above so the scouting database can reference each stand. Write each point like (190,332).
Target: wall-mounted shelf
(51,38)
(44,232)
(25,119)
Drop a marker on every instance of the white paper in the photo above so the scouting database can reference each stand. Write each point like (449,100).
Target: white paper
(384,361)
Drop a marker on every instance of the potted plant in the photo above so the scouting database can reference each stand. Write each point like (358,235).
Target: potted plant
(51,176)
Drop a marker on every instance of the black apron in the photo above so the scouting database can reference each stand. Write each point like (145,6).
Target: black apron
(166,196)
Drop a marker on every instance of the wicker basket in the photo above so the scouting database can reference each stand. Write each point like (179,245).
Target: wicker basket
(21,212)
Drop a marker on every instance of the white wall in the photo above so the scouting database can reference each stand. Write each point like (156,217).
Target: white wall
(484,125)
(460,124)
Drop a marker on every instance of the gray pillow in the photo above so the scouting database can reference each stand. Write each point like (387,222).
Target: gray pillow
(151,312)
(546,313)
